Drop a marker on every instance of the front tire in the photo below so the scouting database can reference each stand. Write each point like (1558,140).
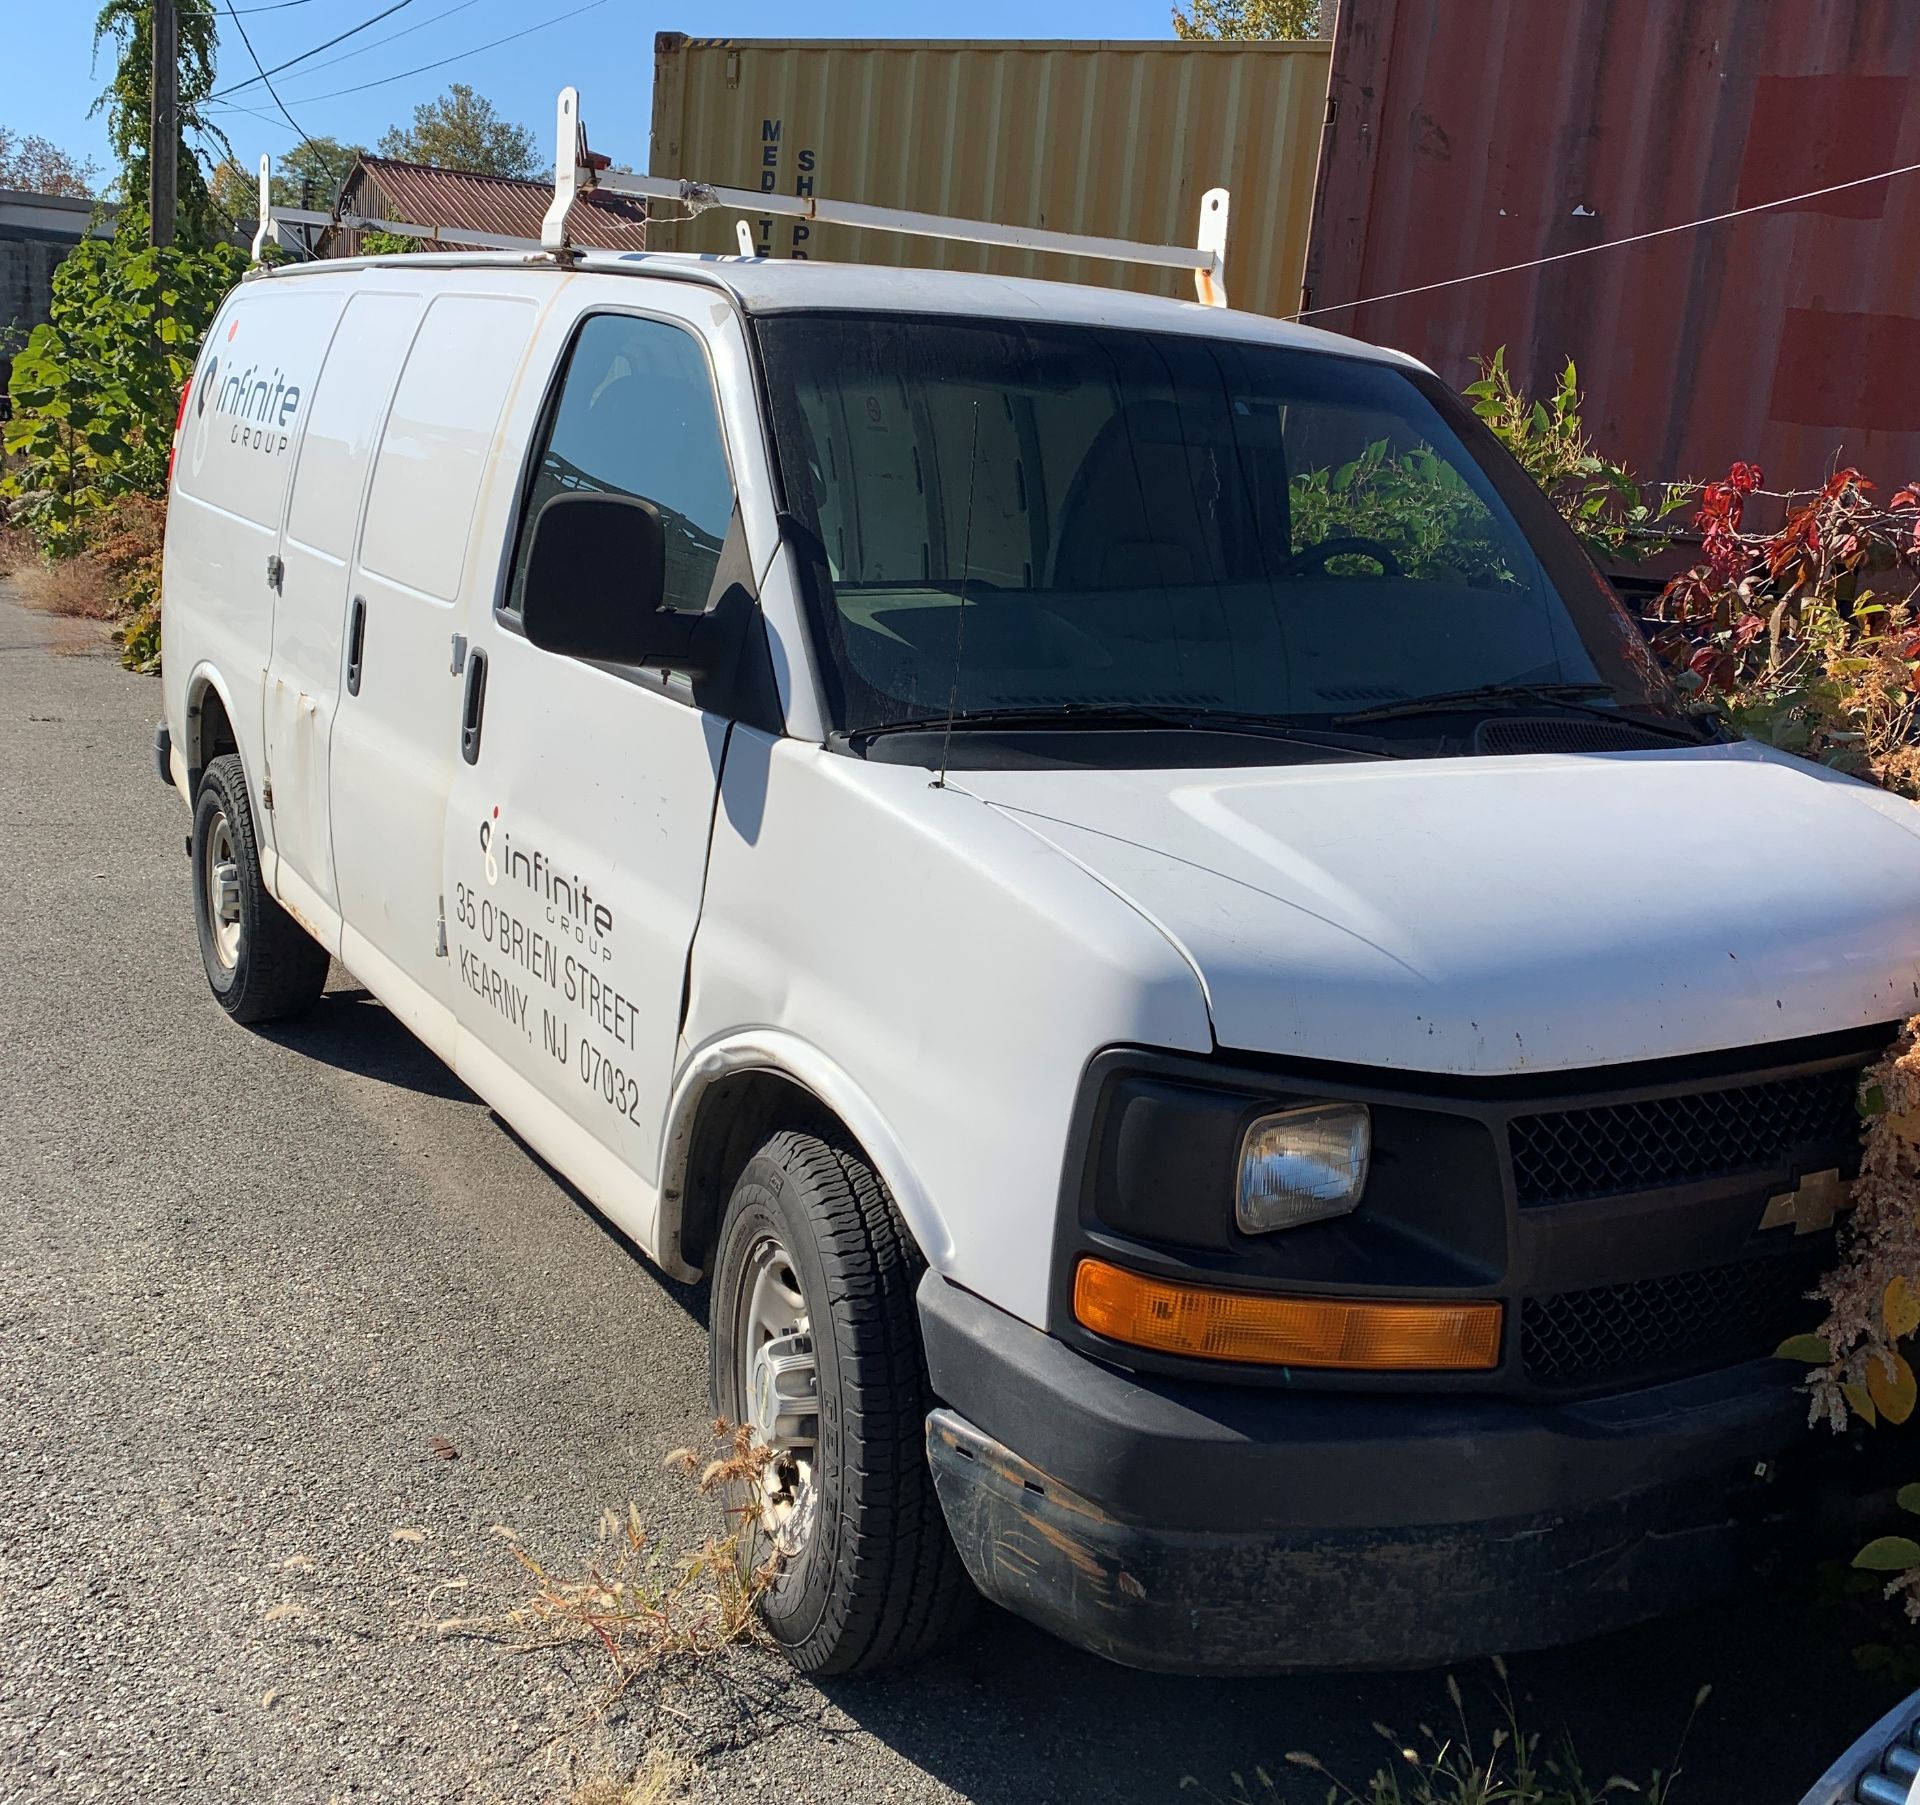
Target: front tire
(261,964)
(816,1344)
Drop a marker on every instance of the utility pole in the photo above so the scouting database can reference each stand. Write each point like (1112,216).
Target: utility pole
(163,135)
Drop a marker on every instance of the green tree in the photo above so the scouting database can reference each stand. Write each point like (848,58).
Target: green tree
(461,130)
(128,102)
(1249,18)
(41,167)
(94,391)
(308,176)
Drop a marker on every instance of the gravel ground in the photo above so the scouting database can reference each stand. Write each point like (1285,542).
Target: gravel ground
(245,1278)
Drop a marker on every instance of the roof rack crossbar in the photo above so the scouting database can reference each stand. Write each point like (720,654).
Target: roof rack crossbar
(577,168)
(272,218)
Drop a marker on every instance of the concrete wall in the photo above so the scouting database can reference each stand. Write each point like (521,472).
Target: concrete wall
(36,231)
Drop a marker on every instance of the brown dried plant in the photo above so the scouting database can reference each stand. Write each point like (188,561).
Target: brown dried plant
(638,1603)
(1873,1295)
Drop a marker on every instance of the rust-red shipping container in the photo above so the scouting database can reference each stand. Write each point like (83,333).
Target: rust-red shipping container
(1467,137)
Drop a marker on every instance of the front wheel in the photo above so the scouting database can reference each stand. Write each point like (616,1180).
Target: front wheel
(261,964)
(816,1345)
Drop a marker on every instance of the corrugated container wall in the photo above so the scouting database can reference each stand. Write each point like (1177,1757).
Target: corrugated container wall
(1468,138)
(1118,139)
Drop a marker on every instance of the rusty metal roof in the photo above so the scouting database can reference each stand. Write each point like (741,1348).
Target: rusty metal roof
(387,188)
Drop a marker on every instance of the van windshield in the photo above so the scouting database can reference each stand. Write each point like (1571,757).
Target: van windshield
(1168,522)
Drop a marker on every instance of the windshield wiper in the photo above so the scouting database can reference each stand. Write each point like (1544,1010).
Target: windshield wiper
(1068,715)
(1582,698)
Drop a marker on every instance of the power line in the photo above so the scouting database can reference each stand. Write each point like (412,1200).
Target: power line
(278,6)
(406,31)
(341,38)
(1611,244)
(233,106)
(254,58)
(458,55)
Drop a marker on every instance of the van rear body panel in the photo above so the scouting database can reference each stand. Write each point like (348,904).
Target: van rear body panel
(240,437)
(314,611)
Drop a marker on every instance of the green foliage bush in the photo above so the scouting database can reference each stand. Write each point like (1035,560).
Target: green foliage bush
(95,390)
(94,394)
(1421,507)
(375,243)
(1602,501)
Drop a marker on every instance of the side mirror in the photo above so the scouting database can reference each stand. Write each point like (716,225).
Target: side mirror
(596,578)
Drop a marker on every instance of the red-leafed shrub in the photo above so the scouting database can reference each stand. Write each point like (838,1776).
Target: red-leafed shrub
(1807,636)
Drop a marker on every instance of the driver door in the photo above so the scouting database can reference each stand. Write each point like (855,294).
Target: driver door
(581,808)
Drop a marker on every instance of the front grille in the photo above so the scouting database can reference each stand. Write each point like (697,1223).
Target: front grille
(1596,1152)
(1661,1328)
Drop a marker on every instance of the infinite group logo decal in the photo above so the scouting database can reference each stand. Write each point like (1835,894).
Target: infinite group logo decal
(259,405)
(570,900)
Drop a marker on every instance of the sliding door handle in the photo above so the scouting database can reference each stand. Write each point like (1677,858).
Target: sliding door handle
(356,642)
(476,706)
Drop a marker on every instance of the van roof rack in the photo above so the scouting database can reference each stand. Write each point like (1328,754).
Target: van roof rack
(577,168)
(272,218)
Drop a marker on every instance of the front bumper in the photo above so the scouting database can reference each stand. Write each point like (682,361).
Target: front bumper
(1191,1526)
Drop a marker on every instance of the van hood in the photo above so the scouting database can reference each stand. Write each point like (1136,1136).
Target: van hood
(1498,915)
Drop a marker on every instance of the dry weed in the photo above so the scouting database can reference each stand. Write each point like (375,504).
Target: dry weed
(16,549)
(657,1778)
(77,587)
(117,572)
(636,1603)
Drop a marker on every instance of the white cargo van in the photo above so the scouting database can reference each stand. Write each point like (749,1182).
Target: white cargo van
(1249,1081)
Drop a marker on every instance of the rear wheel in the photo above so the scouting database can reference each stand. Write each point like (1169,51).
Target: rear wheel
(261,964)
(816,1344)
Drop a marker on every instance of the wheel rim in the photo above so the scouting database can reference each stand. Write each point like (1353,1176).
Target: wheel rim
(220,879)
(780,1389)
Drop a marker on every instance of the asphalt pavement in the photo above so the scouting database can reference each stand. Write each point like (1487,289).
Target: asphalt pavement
(246,1279)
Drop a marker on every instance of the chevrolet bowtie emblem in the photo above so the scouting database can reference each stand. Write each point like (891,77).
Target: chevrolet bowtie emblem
(1811,1205)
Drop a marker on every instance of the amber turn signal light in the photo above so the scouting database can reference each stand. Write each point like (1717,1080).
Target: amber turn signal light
(1259,1329)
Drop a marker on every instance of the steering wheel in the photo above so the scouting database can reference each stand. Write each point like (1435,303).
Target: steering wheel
(1315,557)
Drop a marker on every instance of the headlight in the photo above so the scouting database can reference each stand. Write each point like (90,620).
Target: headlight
(1302,1165)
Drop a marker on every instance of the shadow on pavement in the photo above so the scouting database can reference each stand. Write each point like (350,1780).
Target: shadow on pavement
(1013,1717)
(348,1030)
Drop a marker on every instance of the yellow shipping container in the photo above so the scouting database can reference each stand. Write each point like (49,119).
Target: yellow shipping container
(1114,139)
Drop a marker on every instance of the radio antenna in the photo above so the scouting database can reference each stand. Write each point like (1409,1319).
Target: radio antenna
(960,622)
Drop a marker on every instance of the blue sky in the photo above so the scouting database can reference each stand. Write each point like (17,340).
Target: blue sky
(49,77)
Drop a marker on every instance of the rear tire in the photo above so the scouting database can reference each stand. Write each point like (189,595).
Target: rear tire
(261,964)
(871,1578)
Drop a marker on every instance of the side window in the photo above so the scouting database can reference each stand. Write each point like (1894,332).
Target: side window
(636,416)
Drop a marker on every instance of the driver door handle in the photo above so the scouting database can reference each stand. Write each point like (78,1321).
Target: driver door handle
(475,709)
(356,642)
